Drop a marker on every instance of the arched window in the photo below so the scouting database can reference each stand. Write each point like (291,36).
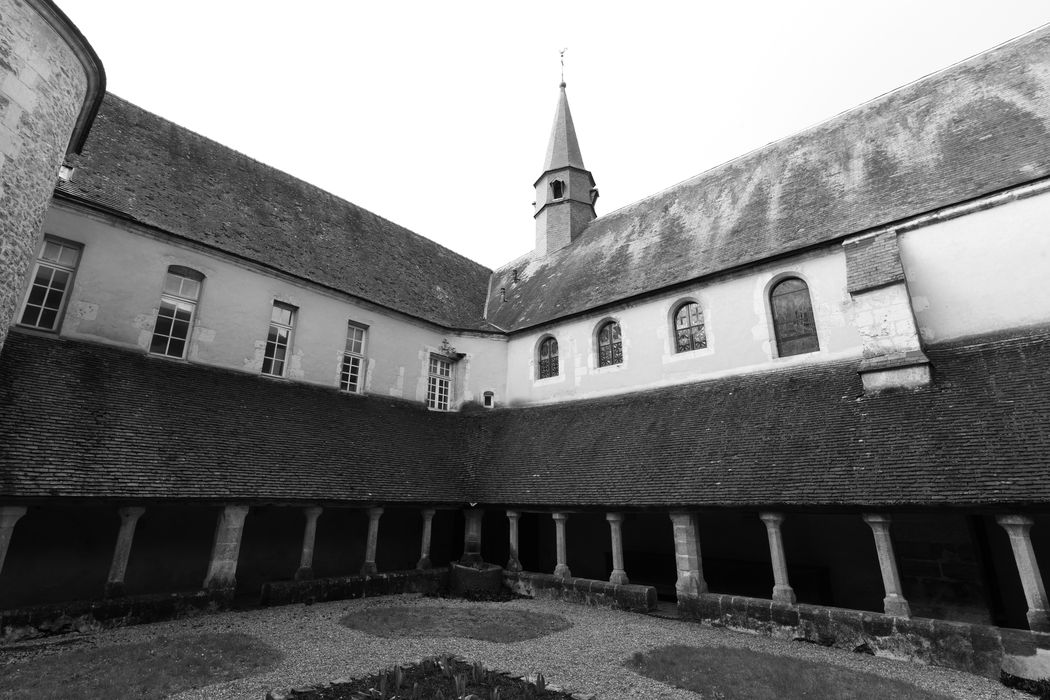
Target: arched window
(610,346)
(689,333)
(558,189)
(793,325)
(548,358)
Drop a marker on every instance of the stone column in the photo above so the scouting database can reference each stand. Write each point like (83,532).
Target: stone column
(1018,527)
(369,567)
(782,591)
(513,563)
(424,549)
(687,555)
(472,537)
(618,575)
(9,515)
(894,602)
(305,571)
(222,569)
(129,518)
(562,569)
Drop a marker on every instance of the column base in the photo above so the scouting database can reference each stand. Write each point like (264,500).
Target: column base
(619,577)
(304,573)
(221,583)
(513,565)
(1039,620)
(690,584)
(562,571)
(471,559)
(784,594)
(369,569)
(423,563)
(114,589)
(896,606)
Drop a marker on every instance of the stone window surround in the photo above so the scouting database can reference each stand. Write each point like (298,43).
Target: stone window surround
(767,290)
(66,294)
(175,299)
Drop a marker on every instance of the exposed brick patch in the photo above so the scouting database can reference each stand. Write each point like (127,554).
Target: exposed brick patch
(872,261)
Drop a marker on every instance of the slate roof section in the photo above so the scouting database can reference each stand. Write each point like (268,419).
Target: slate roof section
(563,149)
(978,127)
(165,176)
(81,420)
(794,437)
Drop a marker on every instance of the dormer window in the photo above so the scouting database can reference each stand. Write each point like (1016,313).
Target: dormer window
(558,189)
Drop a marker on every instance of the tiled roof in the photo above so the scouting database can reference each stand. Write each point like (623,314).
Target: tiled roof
(89,420)
(806,436)
(163,175)
(975,128)
(81,420)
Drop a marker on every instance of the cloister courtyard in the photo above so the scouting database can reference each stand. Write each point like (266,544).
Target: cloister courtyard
(586,651)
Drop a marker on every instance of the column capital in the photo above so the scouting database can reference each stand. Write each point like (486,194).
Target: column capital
(1014,521)
(9,515)
(560,516)
(428,513)
(131,512)
(614,517)
(771,519)
(313,512)
(375,512)
(873,518)
(513,514)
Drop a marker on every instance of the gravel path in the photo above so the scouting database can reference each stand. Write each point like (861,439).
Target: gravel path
(587,658)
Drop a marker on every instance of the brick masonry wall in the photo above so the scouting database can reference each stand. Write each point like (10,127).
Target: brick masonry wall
(42,87)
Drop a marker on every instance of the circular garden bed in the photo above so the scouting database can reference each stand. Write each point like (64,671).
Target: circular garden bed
(472,622)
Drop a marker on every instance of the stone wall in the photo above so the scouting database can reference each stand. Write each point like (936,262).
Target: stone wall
(581,590)
(343,587)
(43,85)
(974,648)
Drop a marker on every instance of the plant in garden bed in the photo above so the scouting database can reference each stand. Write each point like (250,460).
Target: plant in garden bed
(441,678)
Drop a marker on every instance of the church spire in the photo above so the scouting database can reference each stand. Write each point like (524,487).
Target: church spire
(565,192)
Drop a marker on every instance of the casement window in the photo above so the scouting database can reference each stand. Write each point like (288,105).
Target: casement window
(178,305)
(793,325)
(689,332)
(279,339)
(547,358)
(439,383)
(352,373)
(52,280)
(610,344)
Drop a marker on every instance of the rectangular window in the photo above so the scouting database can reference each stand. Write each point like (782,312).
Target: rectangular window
(353,359)
(52,279)
(178,302)
(279,339)
(439,383)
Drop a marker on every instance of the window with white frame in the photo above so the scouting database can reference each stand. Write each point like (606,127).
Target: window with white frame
(52,280)
(350,376)
(178,304)
(279,339)
(439,383)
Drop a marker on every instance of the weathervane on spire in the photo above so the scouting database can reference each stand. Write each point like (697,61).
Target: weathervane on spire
(562,54)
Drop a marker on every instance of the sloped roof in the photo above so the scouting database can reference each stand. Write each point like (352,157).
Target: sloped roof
(163,175)
(977,127)
(795,437)
(81,420)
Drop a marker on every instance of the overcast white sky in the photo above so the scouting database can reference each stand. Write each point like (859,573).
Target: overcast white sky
(436,115)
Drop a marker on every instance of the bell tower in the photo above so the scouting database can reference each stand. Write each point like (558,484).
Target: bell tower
(565,192)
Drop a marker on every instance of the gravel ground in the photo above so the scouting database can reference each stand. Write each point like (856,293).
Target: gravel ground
(588,658)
